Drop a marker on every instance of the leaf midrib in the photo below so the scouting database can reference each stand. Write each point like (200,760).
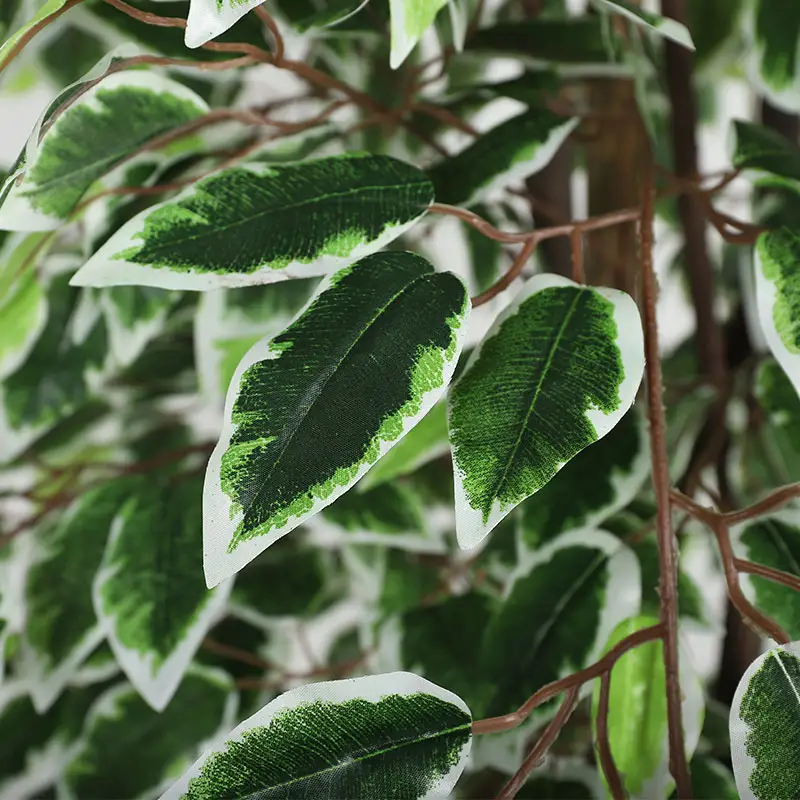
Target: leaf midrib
(373,754)
(381,310)
(212,230)
(550,358)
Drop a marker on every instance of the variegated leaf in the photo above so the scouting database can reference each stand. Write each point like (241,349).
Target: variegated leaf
(410,20)
(663,26)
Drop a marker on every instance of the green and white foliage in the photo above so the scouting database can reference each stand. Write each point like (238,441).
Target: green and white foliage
(410,20)
(96,131)
(149,594)
(610,474)
(663,26)
(385,735)
(773,52)
(516,148)
(207,19)
(765,717)
(765,151)
(293,443)
(567,361)
(23,302)
(259,223)
(62,628)
(557,613)
(637,720)
(129,750)
(777,268)
(773,541)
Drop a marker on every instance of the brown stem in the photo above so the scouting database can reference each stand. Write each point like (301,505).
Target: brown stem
(236,654)
(546,740)
(606,758)
(668,559)
(774,575)
(514,271)
(272,26)
(509,721)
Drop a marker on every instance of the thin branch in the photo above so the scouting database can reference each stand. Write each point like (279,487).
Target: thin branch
(545,742)
(668,559)
(508,277)
(236,654)
(576,248)
(774,575)
(606,758)
(272,26)
(513,720)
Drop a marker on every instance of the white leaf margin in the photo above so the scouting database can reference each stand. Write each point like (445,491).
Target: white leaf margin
(16,212)
(371,688)
(666,27)
(218,507)
(207,20)
(156,685)
(743,763)
(470,528)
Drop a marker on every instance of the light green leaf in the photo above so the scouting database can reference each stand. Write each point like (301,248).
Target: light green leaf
(774,53)
(561,606)
(207,19)
(519,147)
(106,124)
(149,593)
(637,719)
(427,441)
(23,303)
(384,735)
(663,26)
(130,750)
(777,268)
(765,150)
(309,411)
(556,372)
(9,43)
(774,542)
(410,20)
(599,481)
(260,223)
(765,718)
(62,628)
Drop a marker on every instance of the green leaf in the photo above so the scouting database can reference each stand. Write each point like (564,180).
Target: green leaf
(70,54)
(714,24)
(23,303)
(334,13)
(773,542)
(427,441)
(207,19)
(309,411)
(711,780)
(765,150)
(9,43)
(663,26)
(777,268)
(599,481)
(556,372)
(774,63)
(259,223)
(765,718)
(519,147)
(62,628)
(410,20)
(780,401)
(106,124)
(149,593)
(130,750)
(407,579)
(558,612)
(384,735)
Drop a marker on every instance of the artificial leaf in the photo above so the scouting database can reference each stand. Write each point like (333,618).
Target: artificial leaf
(427,441)
(663,26)
(711,780)
(107,123)
(62,629)
(765,718)
(777,256)
(334,13)
(391,735)
(149,593)
(600,480)
(259,223)
(556,372)
(407,580)
(129,750)
(714,24)
(309,411)
(70,54)
(774,56)
(773,542)
(516,148)
(23,302)
(410,20)
(765,150)
(557,614)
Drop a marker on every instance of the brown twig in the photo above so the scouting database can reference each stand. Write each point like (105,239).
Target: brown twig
(236,654)
(267,19)
(667,549)
(545,742)
(604,754)
(774,575)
